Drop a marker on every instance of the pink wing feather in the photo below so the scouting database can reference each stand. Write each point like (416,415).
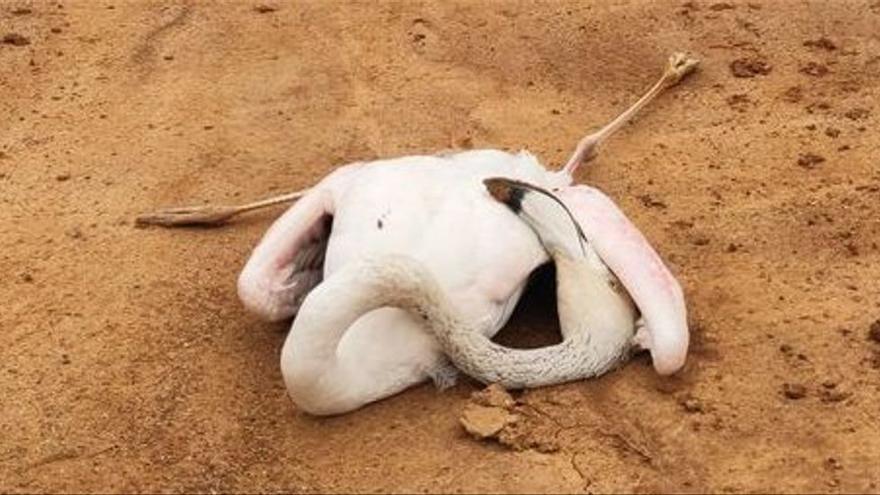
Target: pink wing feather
(647,279)
(288,261)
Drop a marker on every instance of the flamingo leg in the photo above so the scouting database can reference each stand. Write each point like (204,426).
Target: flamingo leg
(678,66)
(211,215)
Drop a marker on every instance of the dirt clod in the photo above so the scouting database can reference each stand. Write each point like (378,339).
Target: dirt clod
(493,396)
(485,421)
(874,360)
(794,391)
(814,69)
(75,233)
(831,396)
(488,413)
(691,404)
(810,160)
(857,114)
(750,67)
(833,464)
(874,331)
(701,240)
(493,414)
(823,43)
(822,106)
(739,102)
(650,202)
(794,94)
(16,39)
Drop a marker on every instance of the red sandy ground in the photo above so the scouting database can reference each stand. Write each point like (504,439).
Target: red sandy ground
(127,363)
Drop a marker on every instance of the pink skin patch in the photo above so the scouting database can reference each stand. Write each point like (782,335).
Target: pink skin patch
(652,286)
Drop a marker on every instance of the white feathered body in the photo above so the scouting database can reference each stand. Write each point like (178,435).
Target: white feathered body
(436,210)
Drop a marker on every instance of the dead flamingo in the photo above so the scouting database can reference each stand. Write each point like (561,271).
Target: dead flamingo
(427,221)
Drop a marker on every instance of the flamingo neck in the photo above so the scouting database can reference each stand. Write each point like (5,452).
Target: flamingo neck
(597,326)
(315,378)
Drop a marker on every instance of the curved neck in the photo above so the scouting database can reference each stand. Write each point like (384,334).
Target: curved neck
(318,379)
(594,342)
(597,329)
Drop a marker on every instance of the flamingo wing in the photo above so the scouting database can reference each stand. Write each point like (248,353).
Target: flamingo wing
(654,289)
(288,262)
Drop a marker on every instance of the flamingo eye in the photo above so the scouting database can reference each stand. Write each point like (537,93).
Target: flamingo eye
(615,285)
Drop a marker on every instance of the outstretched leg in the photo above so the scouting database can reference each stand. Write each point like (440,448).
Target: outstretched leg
(678,67)
(211,215)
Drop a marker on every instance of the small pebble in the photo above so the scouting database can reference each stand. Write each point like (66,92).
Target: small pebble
(75,233)
(691,404)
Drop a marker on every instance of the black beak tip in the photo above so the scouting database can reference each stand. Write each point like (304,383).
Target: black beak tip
(505,191)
